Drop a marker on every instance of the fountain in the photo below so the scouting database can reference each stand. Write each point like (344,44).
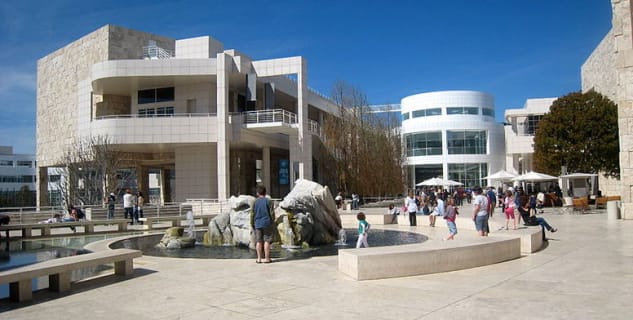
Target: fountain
(177,237)
(290,236)
(306,217)
(342,238)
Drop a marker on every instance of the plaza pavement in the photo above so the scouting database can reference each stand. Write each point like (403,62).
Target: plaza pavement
(584,272)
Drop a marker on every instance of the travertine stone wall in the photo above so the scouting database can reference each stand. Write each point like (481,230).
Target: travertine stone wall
(111,105)
(598,71)
(58,78)
(622,34)
(609,70)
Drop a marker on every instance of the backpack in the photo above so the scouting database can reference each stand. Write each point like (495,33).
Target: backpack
(80,214)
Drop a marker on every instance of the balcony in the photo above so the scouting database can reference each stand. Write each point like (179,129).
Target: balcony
(276,121)
(163,128)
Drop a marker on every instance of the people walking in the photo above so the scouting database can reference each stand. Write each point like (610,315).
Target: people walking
(111,202)
(412,208)
(480,212)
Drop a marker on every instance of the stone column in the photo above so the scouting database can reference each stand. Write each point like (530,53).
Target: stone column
(165,185)
(266,168)
(623,39)
(142,181)
(42,187)
(304,136)
(223,68)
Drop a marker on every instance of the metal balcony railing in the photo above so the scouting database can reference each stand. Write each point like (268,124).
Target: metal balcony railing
(269,116)
(152,52)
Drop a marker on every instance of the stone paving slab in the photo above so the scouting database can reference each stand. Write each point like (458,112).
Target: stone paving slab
(585,272)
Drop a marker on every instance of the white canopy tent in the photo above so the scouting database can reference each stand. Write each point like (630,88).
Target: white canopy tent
(501,175)
(535,178)
(439,182)
(431,182)
(579,184)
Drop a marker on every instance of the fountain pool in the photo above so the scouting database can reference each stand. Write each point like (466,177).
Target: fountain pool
(377,238)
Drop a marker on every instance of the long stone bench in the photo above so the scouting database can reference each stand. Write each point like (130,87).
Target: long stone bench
(435,255)
(426,258)
(45,228)
(176,221)
(59,271)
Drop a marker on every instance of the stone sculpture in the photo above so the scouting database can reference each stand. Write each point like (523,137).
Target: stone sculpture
(307,216)
(174,238)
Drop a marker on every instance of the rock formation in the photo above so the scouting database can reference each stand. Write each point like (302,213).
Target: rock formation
(174,239)
(307,216)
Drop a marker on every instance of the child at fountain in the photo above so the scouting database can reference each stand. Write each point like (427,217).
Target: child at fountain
(262,219)
(394,212)
(449,216)
(363,227)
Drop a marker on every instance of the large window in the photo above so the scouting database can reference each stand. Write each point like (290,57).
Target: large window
(424,144)
(17,179)
(466,142)
(462,110)
(531,124)
(488,112)
(6,163)
(470,174)
(405,116)
(25,163)
(427,171)
(156,95)
(426,112)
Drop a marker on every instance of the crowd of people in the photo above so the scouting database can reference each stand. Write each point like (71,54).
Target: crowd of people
(514,203)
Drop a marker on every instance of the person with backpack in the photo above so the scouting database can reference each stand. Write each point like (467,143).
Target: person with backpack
(363,227)
(262,222)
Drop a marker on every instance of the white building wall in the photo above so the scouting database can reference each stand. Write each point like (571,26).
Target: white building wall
(9,167)
(520,146)
(494,157)
(196,169)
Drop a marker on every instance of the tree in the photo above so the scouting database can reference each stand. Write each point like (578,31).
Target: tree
(90,169)
(581,133)
(365,150)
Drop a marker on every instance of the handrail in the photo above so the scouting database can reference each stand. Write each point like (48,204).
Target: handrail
(268,116)
(173,115)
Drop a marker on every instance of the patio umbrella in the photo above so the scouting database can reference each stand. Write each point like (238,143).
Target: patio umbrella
(452,183)
(501,176)
(431,182)
(535,177)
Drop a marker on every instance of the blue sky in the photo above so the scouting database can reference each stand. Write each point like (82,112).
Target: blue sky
(512,49)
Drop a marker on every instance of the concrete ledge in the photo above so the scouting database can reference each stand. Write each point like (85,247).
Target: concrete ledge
(45,228)
(434,255)
(410,260)
(59,271)
(531,238)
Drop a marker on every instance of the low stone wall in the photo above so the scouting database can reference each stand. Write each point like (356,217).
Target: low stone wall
(436,255)
(429,257)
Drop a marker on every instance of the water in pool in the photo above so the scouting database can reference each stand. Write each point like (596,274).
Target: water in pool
(377,238)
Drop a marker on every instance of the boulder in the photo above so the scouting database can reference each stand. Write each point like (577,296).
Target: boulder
(307,216)
(174,239)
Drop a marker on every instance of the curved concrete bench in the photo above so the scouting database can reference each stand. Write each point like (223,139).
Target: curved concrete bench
(435,255)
